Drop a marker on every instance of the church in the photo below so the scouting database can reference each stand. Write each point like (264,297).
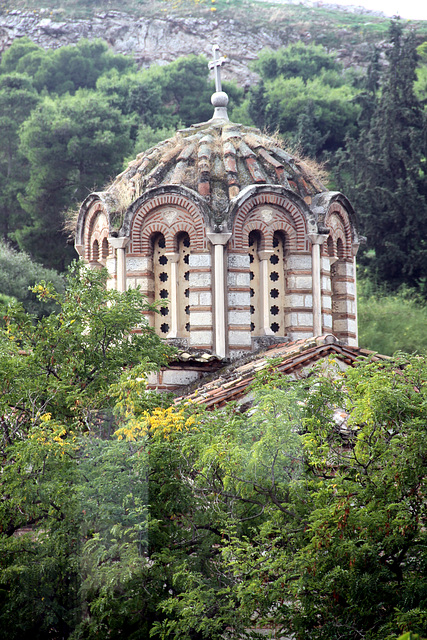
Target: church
(241,243)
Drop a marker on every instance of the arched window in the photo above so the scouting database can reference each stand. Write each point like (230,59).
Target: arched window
(105,249)
(338,303)
(95,251)
(277,288)
(330,247)
(162,284)
(182,284)
(254,241)
(267,282)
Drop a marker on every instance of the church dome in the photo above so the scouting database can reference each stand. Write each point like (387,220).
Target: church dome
(216,160)
(237,240)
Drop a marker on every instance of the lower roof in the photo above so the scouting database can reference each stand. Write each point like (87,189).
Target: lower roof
(231,382)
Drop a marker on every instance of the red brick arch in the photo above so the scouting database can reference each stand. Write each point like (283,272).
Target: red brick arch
(337,219)
(150,219)
(90,234)
(287,217)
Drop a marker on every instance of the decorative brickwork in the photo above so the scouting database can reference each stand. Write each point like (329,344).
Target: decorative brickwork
(247,247)
(342,276)
(280,213)
(168,214)
(337,220)
(96,234)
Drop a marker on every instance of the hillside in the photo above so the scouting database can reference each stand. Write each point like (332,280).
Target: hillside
(162,32)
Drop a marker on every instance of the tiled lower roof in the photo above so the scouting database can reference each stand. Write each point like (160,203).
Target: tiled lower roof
(231,383)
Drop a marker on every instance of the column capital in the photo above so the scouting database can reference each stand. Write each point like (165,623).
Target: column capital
(172,257)
(355,248)
(318,238)
(219,238)
(119,243)
(266,254)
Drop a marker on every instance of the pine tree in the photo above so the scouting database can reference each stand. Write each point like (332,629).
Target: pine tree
(382,171)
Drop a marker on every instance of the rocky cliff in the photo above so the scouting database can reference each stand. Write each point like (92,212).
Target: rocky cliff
(148,39)
(163,38)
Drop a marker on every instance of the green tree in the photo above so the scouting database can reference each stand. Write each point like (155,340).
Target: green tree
(305,513)
(19,48)
(384,172)
(421,82)
(136,94)
(296,60)
(72,356)
(17,99)
(66,69)
(304,94)
(18,275)
(56,421)
(317,502)
(72,145)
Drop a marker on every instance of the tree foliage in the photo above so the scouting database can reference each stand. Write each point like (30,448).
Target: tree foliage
(305,95)
(72,143)
(305,514)
(66,69)
(17,99)
(18,276)
(384,174)
(296,60)
(56,419)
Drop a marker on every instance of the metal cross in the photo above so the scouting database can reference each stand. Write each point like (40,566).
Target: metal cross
(215,64)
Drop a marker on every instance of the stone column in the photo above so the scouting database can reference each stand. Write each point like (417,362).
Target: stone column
(354,249)
(120,244)
(264,297)
(173,259)
(219,240)
(317,239)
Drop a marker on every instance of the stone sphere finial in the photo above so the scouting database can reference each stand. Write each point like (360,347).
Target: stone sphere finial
(219,99)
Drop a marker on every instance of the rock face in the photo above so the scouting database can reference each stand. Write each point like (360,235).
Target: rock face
(163,38)
(148,39)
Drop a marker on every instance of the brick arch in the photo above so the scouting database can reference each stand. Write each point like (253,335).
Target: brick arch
(95,229)
(337,219)
(330,248)
(286,213)
(177,237)
(150,217)
(155,223)
(105,248)
(143,244)
(255,226)
(278,222)
(288,230)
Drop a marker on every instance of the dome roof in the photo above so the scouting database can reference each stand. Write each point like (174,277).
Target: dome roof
(216,160)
